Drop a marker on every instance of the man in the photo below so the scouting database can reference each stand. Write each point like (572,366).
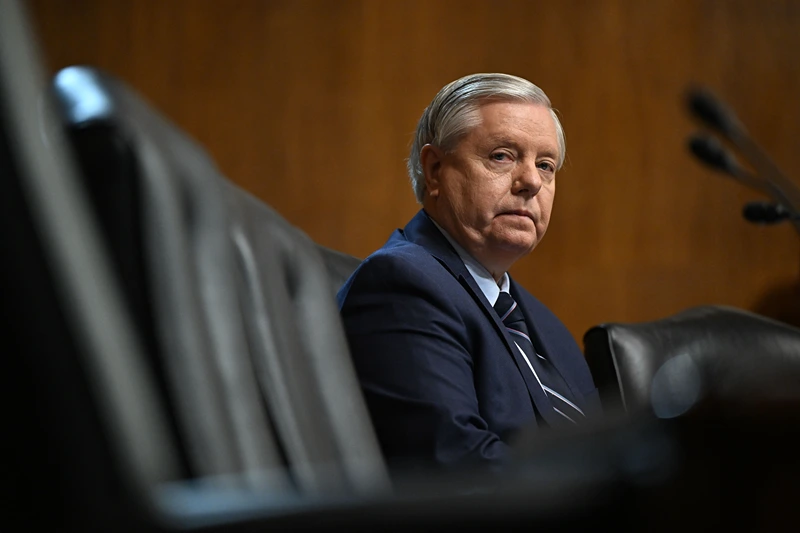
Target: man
(454,356)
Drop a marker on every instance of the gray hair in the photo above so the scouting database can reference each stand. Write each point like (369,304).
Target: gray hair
(453,112)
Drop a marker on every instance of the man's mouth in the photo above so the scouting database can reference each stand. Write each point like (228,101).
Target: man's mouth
(519,213)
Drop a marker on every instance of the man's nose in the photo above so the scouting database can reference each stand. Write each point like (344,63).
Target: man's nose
(528,181)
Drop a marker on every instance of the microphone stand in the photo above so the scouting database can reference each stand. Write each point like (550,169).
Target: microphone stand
(770,180)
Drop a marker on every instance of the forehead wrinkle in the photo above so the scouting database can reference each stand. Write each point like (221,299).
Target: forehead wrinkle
(505,139)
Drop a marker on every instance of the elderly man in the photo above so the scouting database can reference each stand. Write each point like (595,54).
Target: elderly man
(454,356)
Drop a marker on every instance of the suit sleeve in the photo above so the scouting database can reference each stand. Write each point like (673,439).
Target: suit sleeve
(410,345)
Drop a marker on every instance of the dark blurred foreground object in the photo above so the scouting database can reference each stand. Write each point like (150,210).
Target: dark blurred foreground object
(222,289)
(720,466)
(767,179)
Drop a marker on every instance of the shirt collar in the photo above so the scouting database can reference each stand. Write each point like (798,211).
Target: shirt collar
(483,278)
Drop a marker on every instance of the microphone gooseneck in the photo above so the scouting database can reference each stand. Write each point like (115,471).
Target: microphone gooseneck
(768,178)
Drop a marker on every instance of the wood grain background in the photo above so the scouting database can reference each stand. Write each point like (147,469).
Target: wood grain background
(310,104)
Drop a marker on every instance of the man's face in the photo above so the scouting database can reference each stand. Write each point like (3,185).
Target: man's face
(494,192)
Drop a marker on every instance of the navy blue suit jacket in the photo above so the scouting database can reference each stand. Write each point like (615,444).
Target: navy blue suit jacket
(443,379)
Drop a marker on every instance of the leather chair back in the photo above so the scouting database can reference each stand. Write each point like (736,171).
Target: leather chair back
(299,349)
(714,351)
(236,303)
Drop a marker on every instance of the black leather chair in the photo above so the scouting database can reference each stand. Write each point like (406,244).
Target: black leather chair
(667,365)
(222,289)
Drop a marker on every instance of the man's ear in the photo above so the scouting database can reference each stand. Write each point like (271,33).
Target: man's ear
(430,157)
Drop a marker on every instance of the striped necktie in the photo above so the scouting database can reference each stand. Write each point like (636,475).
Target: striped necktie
(546,374)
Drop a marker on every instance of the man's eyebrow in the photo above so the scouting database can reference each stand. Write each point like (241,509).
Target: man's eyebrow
(510,141)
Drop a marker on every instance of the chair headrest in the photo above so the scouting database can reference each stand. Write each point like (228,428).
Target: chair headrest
(731,352)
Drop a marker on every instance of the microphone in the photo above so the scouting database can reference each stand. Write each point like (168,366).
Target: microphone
(713,113)
(710,151)
(709,110)
(767,213)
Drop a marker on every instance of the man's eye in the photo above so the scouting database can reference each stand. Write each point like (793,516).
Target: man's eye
(546,166)
(500,156)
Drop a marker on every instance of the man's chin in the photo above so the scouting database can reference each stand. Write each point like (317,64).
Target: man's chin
(516,248)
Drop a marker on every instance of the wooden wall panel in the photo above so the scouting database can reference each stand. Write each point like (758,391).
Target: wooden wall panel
(310,104)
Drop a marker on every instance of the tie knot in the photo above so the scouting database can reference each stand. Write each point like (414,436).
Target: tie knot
(505,306)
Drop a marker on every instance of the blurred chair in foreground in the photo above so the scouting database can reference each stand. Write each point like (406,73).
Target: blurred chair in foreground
(236,304)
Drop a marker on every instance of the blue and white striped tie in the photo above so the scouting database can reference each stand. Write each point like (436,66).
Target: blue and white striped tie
(546,374)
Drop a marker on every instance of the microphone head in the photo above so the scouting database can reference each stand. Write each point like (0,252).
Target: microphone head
(710,151)
(764,212)
(704,106)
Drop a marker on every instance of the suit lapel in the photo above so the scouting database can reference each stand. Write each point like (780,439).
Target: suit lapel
(422,231)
